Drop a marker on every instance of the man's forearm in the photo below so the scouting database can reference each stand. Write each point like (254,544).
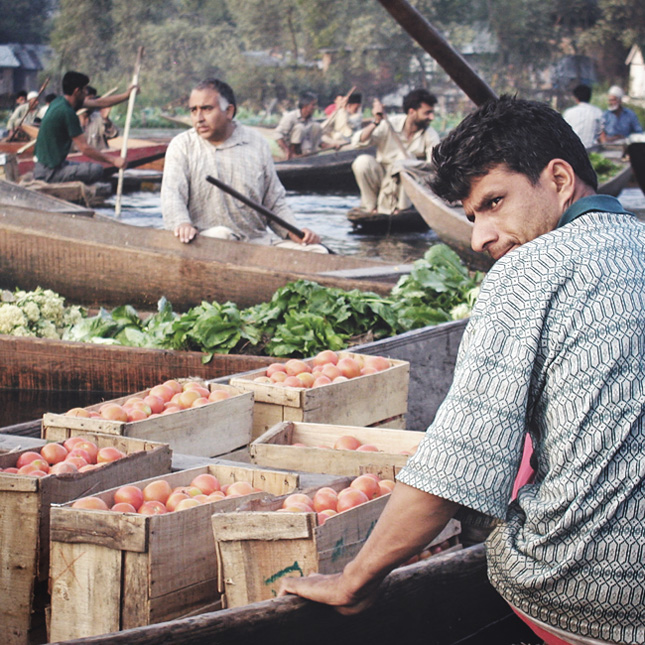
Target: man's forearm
(409,522)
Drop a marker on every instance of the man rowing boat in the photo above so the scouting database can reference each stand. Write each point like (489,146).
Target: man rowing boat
(407,135)
(554,349)
(60,128)
(240,157)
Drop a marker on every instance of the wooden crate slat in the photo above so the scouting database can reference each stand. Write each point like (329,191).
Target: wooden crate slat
(83,577)
(135,582)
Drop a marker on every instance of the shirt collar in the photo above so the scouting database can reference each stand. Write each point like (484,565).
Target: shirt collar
(591,204)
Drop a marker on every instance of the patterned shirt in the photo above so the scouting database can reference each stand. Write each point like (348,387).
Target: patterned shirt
(387,148)
(622,124)
(555,347)
(243,162)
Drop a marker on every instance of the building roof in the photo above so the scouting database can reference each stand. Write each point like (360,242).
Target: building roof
(28,57)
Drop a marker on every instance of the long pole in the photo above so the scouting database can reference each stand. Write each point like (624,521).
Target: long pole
(126,131)
(441,50)
(258,207)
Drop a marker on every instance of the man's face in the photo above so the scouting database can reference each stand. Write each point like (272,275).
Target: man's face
(613,101)
(353,108)
(422,116)
(508,211)
(210,121)
(307,110)
(78,97)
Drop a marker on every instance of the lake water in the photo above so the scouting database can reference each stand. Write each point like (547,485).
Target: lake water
(325,214)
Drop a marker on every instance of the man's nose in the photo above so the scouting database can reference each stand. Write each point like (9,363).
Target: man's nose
(483,234)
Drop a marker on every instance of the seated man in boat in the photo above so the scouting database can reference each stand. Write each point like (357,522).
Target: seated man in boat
(220,146)
(298,133)
(25,113)
(60,128)
(584,118)
(554,350)
(618,121)
(401,137)
(100,128)
(344,121)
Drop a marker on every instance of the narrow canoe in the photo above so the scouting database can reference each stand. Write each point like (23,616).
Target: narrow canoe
(23,197)
(444,600)
(329,171)
(406,221)
(50,364)
(137,156)
(636,152)
(100,261)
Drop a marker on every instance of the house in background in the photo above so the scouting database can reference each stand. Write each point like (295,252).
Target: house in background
(20,66)
(636,88)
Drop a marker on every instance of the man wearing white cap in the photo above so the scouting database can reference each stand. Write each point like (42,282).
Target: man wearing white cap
(618,121)
(24,113)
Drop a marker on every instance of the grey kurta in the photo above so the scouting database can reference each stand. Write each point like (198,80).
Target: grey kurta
(244,162)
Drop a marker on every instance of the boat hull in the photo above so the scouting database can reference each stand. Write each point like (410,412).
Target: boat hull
(102,262)
(407,221)
(444,600)
(636,152)
(50,364)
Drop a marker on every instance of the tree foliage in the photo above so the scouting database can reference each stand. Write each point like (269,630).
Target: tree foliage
(273,49)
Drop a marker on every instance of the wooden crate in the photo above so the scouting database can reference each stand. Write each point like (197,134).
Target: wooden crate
(112,571)
(207,431)
(374,399)
(25,517)
(274,449)
(258,547)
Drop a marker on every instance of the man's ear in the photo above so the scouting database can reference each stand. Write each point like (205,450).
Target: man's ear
(562,177)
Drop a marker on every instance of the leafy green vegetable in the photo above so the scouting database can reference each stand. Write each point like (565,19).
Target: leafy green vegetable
(301,318)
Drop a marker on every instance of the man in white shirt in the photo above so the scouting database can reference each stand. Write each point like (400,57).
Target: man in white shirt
(584,118)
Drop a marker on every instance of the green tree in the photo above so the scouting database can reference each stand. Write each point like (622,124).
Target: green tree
(24,21)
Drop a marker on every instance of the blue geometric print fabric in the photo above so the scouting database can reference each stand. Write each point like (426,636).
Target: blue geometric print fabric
(555,347)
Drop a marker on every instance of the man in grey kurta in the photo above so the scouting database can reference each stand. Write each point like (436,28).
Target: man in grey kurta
(238,156)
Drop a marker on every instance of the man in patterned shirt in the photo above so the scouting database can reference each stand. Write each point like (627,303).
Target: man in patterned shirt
(220,146)
(555,348)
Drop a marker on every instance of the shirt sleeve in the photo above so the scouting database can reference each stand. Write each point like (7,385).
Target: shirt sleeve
(175,187)
(472,451)
(636,126)
(285,125)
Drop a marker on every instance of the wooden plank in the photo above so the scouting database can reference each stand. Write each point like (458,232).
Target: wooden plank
(50,364)
(19,529)
(83,577)
(230,527)
(135,602)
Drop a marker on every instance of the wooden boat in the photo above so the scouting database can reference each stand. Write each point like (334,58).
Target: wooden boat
(137,156)
(406,221)
(636,152)
(444,600)
(24,197)
(101,261)
(50,364)
(329,171)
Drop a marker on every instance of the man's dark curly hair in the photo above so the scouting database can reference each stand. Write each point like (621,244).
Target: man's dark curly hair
(523,135)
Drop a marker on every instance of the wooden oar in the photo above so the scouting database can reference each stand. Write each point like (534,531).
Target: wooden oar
(40,91)
(126,131)
(259,208)
(440,49)
(328,121)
